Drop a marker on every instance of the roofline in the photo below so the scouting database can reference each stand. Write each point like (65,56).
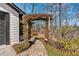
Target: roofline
(16,8)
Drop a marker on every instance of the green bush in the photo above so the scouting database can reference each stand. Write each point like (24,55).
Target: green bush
(21,46)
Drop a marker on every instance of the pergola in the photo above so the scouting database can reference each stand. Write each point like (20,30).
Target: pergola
(28,18)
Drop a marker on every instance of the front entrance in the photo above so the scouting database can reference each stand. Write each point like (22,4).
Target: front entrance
(4,33)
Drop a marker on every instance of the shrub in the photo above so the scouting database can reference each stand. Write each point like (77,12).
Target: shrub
(21,46)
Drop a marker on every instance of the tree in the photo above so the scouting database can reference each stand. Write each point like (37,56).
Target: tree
(60,14)
(33,7)
(64,15)
(52,9)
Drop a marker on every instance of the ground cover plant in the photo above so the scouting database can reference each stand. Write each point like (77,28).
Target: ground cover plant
(65,46)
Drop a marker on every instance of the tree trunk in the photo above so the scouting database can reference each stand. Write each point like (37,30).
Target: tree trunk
(59,14)
(33,7)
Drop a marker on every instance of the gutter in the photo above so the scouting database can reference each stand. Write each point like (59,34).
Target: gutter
(12,5)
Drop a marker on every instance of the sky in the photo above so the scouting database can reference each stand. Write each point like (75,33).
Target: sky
(44,8)
(28,7)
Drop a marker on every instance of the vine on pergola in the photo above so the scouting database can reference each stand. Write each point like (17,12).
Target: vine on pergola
(27,18)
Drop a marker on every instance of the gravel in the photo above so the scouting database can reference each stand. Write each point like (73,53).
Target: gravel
(36,49)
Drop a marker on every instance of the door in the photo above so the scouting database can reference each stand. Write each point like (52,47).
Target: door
(3,28)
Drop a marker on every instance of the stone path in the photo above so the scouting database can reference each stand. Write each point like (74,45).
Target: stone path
(37,49)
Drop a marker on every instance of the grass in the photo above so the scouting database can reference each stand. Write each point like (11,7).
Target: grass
(55,52)
(52,51)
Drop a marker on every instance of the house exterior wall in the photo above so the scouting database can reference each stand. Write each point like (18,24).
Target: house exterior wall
(14,22)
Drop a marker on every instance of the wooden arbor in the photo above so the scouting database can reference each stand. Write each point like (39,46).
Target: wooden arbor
(26,24)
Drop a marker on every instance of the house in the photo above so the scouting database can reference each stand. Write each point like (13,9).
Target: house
(10,16)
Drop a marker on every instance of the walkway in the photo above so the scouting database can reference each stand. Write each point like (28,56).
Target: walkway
(37,49)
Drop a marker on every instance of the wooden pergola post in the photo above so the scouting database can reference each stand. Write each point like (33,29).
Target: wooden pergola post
(49,24)
(49,28)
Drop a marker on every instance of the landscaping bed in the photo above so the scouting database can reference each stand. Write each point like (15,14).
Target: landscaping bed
(20,47)
(66,45)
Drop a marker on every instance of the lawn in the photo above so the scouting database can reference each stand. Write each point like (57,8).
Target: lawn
(55,52)
(69,49)
(52,51)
